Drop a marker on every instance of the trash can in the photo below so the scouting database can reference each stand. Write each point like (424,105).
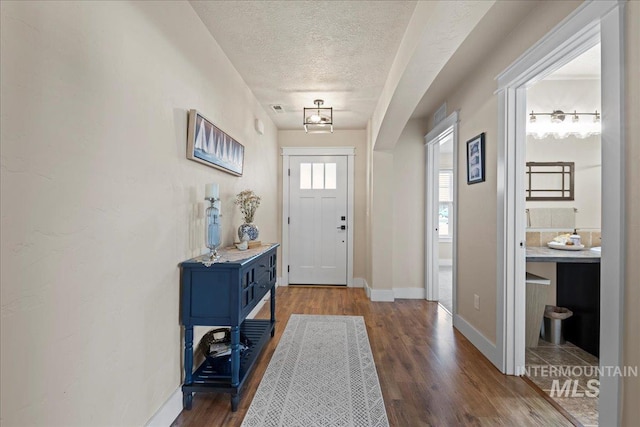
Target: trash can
(552,325)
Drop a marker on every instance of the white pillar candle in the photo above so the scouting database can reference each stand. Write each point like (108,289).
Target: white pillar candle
(212,191)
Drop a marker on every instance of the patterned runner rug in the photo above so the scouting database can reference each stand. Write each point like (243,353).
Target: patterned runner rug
(321,374)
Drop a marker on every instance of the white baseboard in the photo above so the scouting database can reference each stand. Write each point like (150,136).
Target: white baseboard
(367,289)
(382,295)
(357,282)
(409,293)
(390,295)
(168,412)
(486,347)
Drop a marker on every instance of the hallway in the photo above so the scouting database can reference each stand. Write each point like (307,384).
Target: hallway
(429,373)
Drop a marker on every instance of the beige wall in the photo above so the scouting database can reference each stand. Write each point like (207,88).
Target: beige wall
(382,257)
(339,138)
(99,203)
(631,354)
(477,203)
(408,204)
(369,207)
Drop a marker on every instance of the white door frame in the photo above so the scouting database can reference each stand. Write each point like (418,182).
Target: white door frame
(447,127)
(591,22)
(286,153)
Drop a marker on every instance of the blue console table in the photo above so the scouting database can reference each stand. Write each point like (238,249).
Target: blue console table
(223,294)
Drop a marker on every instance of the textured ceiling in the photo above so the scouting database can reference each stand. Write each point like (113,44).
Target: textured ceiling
(490,32)
(485,38)
(292,52)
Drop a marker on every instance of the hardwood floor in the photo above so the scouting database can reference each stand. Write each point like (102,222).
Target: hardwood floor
(429,373)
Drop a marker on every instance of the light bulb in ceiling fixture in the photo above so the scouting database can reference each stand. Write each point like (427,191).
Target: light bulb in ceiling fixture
(557,116)
(314,118)
(575,117)
(318,119)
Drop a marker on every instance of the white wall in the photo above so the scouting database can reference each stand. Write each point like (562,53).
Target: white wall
(99,203)
(570,95)
(555,93)
(586,154)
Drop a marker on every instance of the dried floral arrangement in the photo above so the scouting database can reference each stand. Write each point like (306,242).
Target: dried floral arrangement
(248,202)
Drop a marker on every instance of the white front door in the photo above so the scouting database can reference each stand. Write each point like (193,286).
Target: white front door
(318,220)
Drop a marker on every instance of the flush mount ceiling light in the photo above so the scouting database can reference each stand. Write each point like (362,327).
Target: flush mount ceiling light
(318,119)
(557,127)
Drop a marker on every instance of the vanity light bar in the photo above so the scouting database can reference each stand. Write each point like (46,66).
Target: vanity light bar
(558,116)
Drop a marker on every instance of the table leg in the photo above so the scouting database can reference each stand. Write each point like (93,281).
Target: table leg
(235,400)
(187,400)
(188,365)
(235,356)
(273,310)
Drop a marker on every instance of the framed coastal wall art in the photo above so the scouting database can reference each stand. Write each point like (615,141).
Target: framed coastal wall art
(475,159)
(209,145)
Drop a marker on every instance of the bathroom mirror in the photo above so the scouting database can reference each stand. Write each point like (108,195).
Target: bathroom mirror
(550,181)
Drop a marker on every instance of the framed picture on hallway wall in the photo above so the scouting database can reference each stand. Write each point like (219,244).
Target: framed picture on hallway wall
(475,159)
(209,145)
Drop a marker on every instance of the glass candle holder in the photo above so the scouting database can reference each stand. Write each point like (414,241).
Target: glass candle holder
(213,228)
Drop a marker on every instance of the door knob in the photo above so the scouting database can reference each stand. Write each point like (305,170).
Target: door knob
(342,227)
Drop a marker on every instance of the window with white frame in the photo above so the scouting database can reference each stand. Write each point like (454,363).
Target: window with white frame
(318,176)
(445,207)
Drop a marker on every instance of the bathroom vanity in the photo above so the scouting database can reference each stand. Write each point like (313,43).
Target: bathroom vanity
(578,289)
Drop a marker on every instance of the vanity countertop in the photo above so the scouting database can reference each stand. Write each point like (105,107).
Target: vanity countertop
(545,254)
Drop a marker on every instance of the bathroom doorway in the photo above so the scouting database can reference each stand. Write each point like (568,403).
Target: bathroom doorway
(589,24)
(563,198)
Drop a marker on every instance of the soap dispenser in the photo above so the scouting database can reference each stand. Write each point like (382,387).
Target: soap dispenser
(575,238)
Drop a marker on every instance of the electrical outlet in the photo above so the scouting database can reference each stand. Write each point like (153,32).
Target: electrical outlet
(476,301)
